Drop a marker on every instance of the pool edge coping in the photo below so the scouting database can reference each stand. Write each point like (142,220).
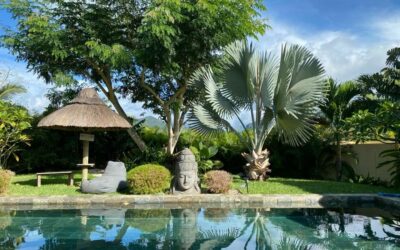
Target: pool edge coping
(201,200)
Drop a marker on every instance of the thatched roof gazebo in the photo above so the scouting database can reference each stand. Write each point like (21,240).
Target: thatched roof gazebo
(85,113)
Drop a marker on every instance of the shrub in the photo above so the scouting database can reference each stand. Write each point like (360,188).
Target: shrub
(149,179)
(5,180)
(218,181)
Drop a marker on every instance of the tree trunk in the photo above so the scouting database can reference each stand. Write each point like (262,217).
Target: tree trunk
(132,132)
(172,141)
(257,167)
(174,130)
(338,162)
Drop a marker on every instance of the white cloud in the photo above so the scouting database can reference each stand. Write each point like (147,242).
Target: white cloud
(34,99)
(345,55)
(388,28)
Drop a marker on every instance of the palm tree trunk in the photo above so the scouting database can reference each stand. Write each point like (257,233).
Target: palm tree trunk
(338,159)
(257,167)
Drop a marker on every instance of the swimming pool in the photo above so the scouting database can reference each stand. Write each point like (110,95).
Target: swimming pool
(201,228)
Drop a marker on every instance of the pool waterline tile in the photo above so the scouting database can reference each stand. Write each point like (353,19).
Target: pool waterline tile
(202,200)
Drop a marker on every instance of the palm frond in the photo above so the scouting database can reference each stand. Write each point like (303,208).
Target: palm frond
(238,74)
(283,95)
(268,71)
(204,120)
(9,89)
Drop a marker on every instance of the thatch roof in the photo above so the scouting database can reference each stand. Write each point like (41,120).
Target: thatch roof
(86,112)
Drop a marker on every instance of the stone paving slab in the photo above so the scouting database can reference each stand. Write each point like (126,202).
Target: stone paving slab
(201,200)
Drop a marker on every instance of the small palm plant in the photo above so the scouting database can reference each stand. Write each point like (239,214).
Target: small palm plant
(7,90)
(279,95)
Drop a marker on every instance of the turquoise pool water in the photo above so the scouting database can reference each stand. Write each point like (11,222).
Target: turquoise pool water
(356,228)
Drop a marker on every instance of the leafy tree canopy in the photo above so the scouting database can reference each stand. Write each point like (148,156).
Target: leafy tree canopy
(110,42)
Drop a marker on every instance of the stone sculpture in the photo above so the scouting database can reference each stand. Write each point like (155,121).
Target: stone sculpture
(186,180)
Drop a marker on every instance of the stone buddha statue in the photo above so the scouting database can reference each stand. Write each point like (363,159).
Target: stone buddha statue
(186,180)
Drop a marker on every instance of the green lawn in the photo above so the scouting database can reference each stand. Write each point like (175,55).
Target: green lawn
(298,186)
(25,185)
(51,185)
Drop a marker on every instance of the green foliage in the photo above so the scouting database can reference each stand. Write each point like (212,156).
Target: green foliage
(342,100)
(7,89)
(255,82)
(14,120)
(5,180)
(155,139)
(280,96)
(65,42)
(218,181)
(393,163)
(384,85)
(149,179)
(174,39)
(203,156)
(369,180)
(111,42)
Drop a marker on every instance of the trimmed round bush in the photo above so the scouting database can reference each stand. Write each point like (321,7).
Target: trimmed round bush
(149,179)
(5,180)
(218,181)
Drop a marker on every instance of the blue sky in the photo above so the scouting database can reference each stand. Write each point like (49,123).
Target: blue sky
(350,37)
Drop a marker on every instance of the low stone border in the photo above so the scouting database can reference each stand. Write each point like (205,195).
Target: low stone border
(203,200)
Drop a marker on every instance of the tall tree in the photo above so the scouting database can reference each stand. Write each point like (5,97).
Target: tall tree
(82,40)
(103,41)
(340,103)
(175,39)
(384,85)
(280,95)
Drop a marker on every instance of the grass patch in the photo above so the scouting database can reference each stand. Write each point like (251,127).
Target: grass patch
(25,185)
(298,186)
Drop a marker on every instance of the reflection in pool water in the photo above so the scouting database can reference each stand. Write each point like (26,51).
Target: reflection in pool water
(358,228)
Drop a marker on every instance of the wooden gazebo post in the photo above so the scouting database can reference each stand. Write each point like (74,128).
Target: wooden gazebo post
(86,139)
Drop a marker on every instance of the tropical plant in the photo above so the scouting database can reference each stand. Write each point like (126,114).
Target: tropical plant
(14,120)
(383,125)
(280,96)
(203,156)
(392,71)
(152,47)
(384,85)
(8,89)
(340,104)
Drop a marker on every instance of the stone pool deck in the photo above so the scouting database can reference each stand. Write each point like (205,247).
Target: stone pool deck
(203,200)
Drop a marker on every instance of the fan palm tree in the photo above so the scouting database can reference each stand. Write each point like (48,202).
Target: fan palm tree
(280,95)
(341,102)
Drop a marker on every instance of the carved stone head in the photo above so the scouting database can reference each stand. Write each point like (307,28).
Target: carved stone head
(186,180)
